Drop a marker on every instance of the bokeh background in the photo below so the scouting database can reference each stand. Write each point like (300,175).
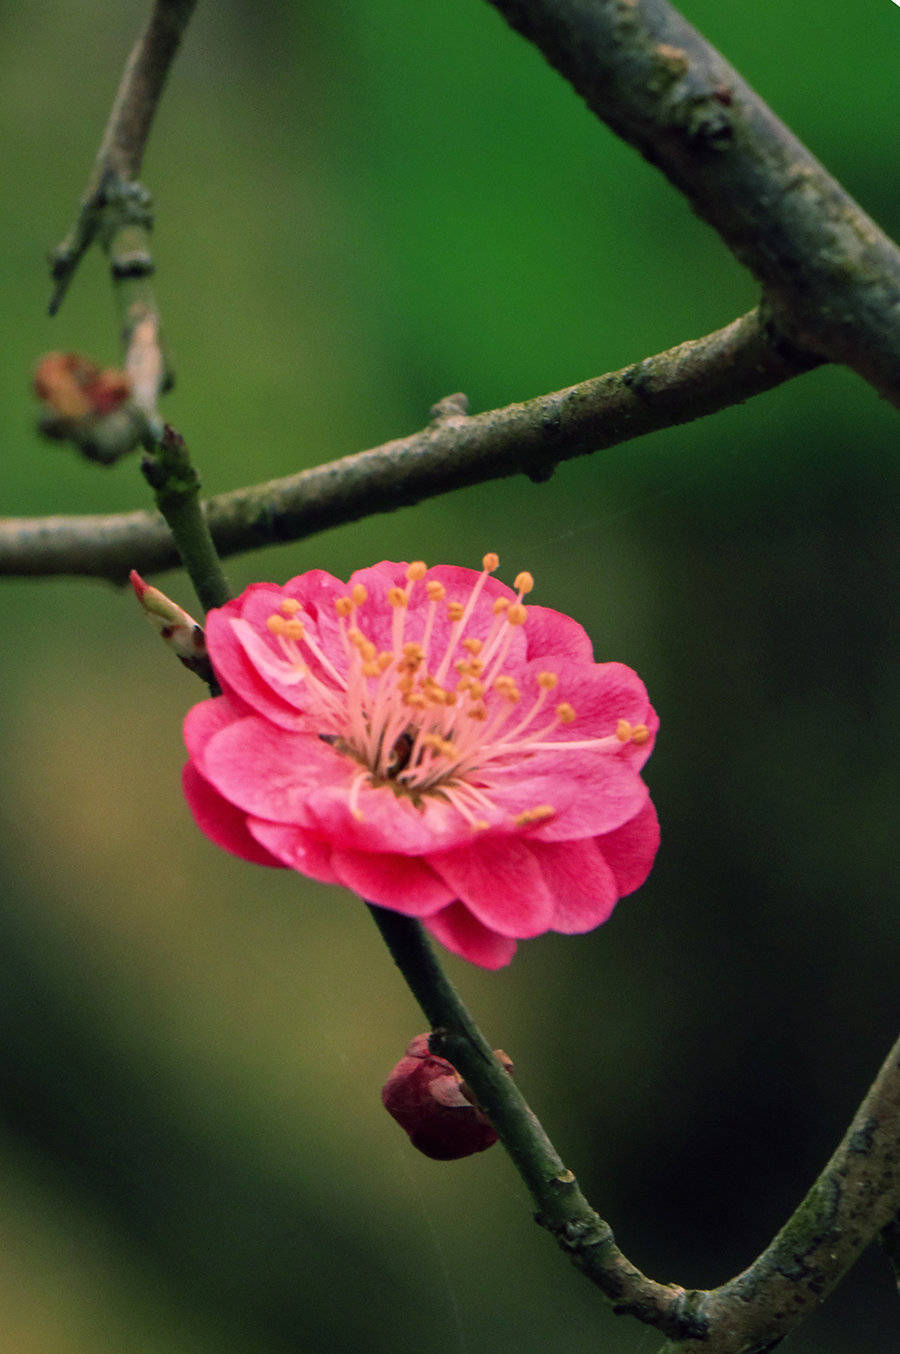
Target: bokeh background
(362,207)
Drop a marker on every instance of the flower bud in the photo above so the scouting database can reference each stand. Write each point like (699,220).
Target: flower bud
(179,630)
(428,1098)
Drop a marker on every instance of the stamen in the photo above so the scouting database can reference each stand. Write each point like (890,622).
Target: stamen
(565,714)
(535,815)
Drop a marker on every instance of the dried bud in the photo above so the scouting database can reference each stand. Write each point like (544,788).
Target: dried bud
(88,405)
(430,1100)
(75,388)
(179,630)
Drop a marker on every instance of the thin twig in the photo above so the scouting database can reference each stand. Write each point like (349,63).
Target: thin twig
(696,378)
(117,211)
(830,275)
(122,147)
(562,1208)
(855,1197)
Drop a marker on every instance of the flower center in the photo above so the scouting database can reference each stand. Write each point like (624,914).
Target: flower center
(428,716)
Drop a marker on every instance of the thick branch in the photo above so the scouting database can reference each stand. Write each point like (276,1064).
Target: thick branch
(855,1197)
(696,378)
(831,276)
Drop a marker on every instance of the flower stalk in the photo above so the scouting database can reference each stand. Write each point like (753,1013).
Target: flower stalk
(176,487)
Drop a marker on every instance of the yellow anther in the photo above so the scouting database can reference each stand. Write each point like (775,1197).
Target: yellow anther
(478,711)
(512,694)
(565,714)
(480,825)
(535,815)
(397,597)
(358,593)
(413,651)
(293,630)
(473,646)
(417,570)
(405,683)
(455,610)
(639,734)
(343,606)
(475,689)
(500,605)
(415,699)
(367,649)
(523,582)
(358,815)
(547,680)
(490,561)
(435,590)
(290,606)
(503,679)
(516,614)
(384,660)
(371,670)
(623,731)
(275,624)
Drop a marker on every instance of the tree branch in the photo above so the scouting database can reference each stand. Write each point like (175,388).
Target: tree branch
(856,1196)
(830,275)
(696,378)
(117,211)
(122,148)
(563,1209)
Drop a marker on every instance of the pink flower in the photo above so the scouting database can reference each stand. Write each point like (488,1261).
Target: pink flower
(424,738)
(427,1097)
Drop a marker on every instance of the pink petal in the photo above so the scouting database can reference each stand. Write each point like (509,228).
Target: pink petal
(630,850)
(461,933)
(202,722)
(593,793)
(269,772)
(550,632)
(402,883)
(220,821)
(389,823)
(499,880)
(582,883)
(296,849)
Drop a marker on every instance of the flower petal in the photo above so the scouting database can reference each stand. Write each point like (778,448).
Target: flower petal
(463,934)
(402,883)
(500,881)
(553,633)
(220,821)
(296,849)
(269,772)
(583,885)
(630,850)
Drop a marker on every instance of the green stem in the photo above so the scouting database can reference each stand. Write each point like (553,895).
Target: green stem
(562,1208)
(176,486)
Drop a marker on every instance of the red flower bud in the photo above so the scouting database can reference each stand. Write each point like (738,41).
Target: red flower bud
(430,1100)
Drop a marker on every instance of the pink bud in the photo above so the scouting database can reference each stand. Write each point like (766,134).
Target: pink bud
(427,1097)
(179,630)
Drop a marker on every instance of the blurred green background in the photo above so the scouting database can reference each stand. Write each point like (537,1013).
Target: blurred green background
(362,207)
